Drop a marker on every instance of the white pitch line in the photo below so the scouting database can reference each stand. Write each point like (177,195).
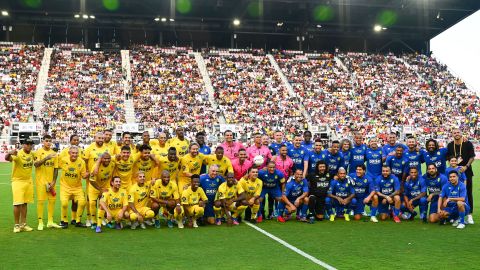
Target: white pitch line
(293,248)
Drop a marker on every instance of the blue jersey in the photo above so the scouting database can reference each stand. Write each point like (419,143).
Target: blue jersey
(210,185)
(363,185)
(462,177)
(314,157)
(414,159)
(439,158)
(307,145)
(451,191)
(357,157)
(341,189)
(298,155)
(374,162)
(294,189)
(435,184)
(275,147)
(387,186)
(271,180)
(387,148)
(346,158)
(398,165)
(413,188)
(334,162)
(204,149)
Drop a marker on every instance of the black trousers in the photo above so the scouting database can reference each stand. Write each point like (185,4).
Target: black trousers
(469,189)
(316,205)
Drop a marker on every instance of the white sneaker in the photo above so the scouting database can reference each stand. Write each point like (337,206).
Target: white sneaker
(180,225)
(470,219)
(149,222)
(104,222)
(461,226)
(195,224)
(374,219)
(134,225)
(143,226)
(88,223)
(456,222)
(128,223)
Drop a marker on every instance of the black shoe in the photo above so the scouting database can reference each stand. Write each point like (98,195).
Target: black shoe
(64,224)
(73,222)
(442,222)
(239,219)
(424,220)
(253,221)
(80,225)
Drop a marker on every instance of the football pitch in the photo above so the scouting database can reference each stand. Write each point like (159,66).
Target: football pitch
(340,244)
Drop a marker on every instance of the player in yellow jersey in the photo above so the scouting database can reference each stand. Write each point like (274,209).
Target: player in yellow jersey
(113,205)
(127,141)
(160,146)
(146,163)
(253,188)
(124,167)
(190,164)
(22,186)
(138,201)
(179,142)
(230,199)
(46,164)
(99,182)
(223,162)
(73,170)
(112,146)
(194,200)
(164,193)
(171,163)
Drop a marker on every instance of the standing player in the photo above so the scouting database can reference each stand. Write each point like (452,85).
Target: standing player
(373,157)
(307,141)
(100,179)
(436,155)
(159,146)
(112,146)
(388,192)
(190,164)
(164,194)
(462,177)
(398,163)
(230,146)
(389,148)
(283,162)
(358,152)
(179,142)
(297,153)
(278,141)
(127,141)
(341,196)
(230,198)
(452,202)
(223,163)
(194,201)
(138,201)
(334,158)
(22,186)
(434,181)
(241,164)
(124,167)
(147,163)
(413,156)
(365,193)
(414,195)
(314,157)
(346,151)
(318,185)
(74,141)
(257,149)
(171,163)
(273,181)
(253,189)
(294,198)
(46,164)
(204,149)
(113,205)
(210,183)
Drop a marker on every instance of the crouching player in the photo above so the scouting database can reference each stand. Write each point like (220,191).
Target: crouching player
(194,200)
(414,193)
(113,205)
(452,201)
(253,189)
(388,192)
(319,183)
(341,196)
(164,194)
(230,199)
(273,180)
(294,198)
(365,193)
(435,181)
(138,199)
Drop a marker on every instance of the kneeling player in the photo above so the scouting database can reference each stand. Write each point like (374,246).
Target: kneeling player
(194,200)
(253,189)
(341,196)
(164,193)
(452,201)
(230,199)
(414,193)
(365,193)
(435,181)
(295,197)
(388,192)
(138,198)
(113,205)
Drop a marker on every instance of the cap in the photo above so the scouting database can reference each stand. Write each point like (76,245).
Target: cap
(28,141)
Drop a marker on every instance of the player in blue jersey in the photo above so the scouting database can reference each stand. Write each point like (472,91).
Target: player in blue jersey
(414,155)
(346,151)
(415,191)
(358,152)
(462,177)
(210,183)
(341,196)
(307,142)
(365,193)
(298,154)
(204,149)
(373,157)
(318,185)
(434,181)
(388,191)
(389,148)
(314,157)
(273,181)
(334,158)
(278,141)
(435,155)
(398,163)
(294,198)
(452,201)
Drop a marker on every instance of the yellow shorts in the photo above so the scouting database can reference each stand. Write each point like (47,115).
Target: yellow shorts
(141,210)
(94,194)
(42,194)
(75,194)
(115,213)
(182,184)
(194,209)
(22,192)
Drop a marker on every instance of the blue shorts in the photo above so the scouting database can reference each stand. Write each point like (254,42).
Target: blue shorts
(360,206)
(384,208)
(433,207)
(209,210)
(452,210)
(272,192)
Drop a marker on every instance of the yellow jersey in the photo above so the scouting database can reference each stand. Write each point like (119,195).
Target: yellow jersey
(104,175)
(146,166)
(252,188)
(44,173)
(92,154)
(190,197)
(226,192)
(115,200)
(160,151)
(139,195)
(124,169)
(72,172)
(133,150)
(112,147)
(171,166)
(181,146)
(224,164)
(189,164)
(159,191)
(22,166)
(64,153)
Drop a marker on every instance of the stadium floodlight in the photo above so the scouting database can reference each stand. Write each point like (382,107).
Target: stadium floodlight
(92,16)
(236,22)
(85,16)
(4,13)
(76,16)
(377,28)
(279,24)
(164,19)
(172,19)
(156,19)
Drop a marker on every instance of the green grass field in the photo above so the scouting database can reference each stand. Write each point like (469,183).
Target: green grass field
(343,245)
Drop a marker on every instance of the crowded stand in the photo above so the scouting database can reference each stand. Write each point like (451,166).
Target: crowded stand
(84,92)
(168,90)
